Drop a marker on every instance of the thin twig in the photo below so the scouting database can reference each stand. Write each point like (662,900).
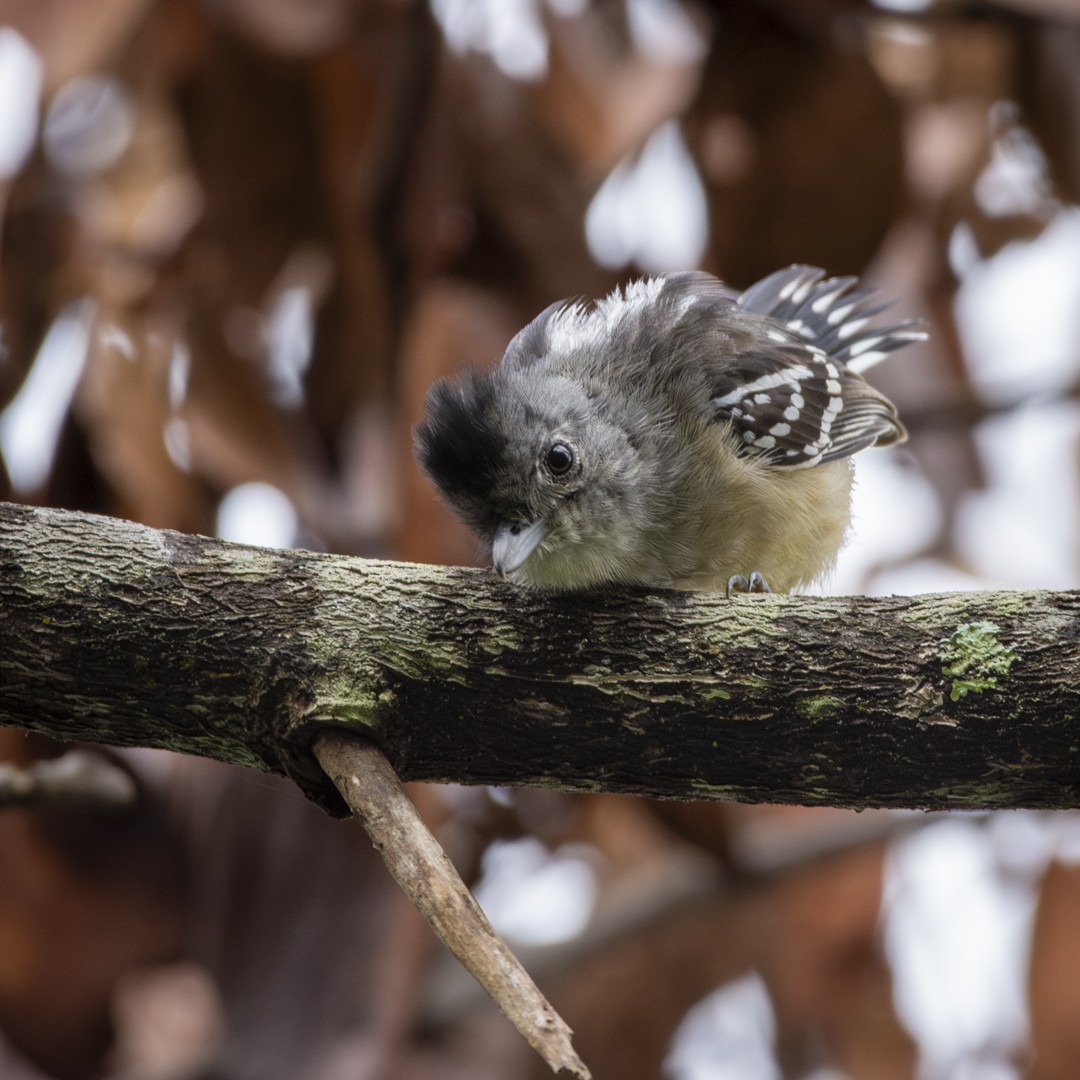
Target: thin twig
(370,786)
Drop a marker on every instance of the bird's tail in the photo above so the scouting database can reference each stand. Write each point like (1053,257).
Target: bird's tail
(829,314)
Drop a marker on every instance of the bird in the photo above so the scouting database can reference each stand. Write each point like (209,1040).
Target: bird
(674,434)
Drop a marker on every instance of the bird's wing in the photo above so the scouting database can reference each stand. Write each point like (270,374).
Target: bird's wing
(794,406)
(789,400)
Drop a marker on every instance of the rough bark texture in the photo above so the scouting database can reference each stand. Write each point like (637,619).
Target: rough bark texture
(117,633)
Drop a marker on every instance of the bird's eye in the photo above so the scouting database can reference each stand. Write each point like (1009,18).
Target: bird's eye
(559,459)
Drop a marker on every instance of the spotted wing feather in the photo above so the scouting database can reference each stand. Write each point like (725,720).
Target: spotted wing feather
(801,408)
(831,314)
(785,384)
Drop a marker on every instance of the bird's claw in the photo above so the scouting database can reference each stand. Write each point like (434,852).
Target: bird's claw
(755,583)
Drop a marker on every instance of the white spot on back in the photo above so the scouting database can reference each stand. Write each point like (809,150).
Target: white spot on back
(581,326)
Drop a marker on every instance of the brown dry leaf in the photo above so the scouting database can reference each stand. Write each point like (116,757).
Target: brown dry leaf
(799,146)
(74,37)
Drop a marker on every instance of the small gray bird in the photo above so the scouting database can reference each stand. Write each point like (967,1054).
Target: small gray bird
(674,434)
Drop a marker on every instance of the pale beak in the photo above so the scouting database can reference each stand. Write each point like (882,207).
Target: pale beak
(514,543)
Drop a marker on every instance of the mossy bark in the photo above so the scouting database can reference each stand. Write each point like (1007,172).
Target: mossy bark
(116,633)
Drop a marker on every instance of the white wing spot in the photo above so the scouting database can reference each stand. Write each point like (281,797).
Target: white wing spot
(869,343)
(766,382)
(824,302)
(852,327)
(867,360)
(838,315)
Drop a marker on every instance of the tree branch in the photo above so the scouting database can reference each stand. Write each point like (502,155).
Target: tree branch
(117,633)
(419,865)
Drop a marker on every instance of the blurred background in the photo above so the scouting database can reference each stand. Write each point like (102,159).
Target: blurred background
(239,239)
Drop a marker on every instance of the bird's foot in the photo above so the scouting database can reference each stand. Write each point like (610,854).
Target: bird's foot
(755,583)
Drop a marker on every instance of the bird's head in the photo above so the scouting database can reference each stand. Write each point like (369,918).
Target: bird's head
(529,460)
